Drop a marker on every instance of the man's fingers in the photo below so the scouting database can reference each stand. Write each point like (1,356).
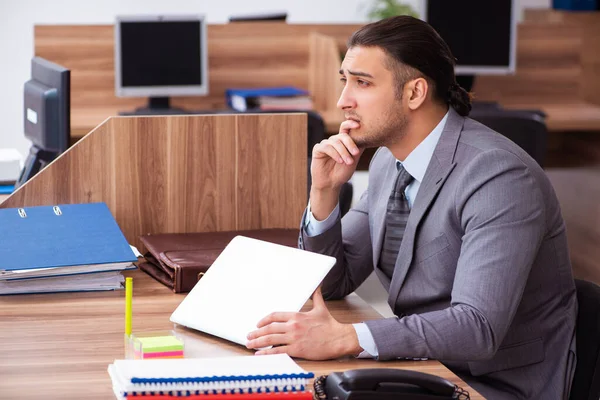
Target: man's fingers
(274,350)
(349,144)
(347,125)
(268,340)
(275,317)
(326,148)
(275,327)
(340,146)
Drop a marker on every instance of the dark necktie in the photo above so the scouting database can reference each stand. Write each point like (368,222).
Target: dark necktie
(395,222)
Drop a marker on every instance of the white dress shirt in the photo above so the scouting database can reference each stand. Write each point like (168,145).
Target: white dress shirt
(415,164)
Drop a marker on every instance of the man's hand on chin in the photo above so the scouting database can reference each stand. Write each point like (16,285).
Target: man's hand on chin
(312,335)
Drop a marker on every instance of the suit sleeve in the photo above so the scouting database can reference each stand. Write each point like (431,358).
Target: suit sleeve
(501,211)
(349,241)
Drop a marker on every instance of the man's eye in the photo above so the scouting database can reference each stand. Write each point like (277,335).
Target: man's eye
(363,83)
(343,80)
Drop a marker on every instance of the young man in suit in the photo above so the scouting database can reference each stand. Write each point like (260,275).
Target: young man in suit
(461,226)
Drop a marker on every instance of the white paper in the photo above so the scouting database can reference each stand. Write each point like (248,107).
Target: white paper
(16,274)
(85,282)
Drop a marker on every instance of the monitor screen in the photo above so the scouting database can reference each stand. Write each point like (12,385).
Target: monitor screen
(481,34)
(160,56)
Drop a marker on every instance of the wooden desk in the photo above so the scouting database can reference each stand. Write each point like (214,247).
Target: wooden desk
(60,345)
(576,116)
(560,117)
(84,119)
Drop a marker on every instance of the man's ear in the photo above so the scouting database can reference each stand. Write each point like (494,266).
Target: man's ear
(417,92)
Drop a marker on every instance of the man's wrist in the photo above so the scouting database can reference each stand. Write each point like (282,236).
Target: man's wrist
(323,202)
(349,343)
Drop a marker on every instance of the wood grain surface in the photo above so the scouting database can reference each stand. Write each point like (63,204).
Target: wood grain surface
(324,78)
(58,346)
(557,67)
(239,55)
(183,173)
(558,70)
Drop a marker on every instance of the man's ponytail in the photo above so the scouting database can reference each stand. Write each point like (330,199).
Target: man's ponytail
(459,99)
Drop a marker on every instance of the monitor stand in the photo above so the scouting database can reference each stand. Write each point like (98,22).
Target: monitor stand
(36,161)
(157,106)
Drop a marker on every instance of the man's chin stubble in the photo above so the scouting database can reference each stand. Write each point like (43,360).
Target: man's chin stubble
(366,142)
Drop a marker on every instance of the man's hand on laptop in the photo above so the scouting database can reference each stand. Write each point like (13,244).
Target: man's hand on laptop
(313,335)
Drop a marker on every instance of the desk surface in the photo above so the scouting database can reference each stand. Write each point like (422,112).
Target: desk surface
(561,117)
(60,345)
(566,117)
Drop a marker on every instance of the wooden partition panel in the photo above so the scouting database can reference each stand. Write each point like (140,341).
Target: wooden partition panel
(557,67)
(324,78)
(558,70)
(239,55)
(588,24)
(548,67)
(183,173)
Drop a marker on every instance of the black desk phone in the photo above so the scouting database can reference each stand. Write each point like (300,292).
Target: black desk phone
(385,384)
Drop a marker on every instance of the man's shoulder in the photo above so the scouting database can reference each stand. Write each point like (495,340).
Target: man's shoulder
(481,137)
(477,138)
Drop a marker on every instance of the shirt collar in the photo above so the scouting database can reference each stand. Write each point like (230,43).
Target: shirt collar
(417,161)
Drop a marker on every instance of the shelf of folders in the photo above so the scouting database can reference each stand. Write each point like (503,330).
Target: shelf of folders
(268,99)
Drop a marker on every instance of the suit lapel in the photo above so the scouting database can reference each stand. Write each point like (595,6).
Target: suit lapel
(438,170)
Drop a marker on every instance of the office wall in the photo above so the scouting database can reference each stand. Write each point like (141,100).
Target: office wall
(17,18)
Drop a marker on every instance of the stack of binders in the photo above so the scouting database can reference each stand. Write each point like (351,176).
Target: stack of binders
(62,248)
(283,98)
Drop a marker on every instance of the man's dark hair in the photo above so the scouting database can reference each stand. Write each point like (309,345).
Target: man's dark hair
(416,49)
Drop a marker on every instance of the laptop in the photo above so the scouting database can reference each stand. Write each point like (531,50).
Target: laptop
(250,279)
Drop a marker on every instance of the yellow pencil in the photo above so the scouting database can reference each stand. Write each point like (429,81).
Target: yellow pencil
(128,299)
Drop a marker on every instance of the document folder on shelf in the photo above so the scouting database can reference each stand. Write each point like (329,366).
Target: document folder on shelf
(64,239)
(247,99)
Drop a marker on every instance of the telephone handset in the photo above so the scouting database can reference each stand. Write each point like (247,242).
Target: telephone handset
(386,384)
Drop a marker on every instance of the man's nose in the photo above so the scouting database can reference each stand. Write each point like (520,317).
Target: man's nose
(346,100)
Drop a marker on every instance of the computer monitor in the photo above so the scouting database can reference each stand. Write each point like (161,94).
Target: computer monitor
(278,16)
(481,34)
(47,115)
(160,56)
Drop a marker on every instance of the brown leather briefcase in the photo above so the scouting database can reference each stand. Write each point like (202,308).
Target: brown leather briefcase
(178,260)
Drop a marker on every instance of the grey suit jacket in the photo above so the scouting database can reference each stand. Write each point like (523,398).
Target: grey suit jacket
(483,278)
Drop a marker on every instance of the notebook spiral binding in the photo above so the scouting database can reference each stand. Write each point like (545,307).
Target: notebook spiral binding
(220,385)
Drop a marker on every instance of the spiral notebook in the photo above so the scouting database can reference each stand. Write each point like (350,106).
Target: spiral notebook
(187,377)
